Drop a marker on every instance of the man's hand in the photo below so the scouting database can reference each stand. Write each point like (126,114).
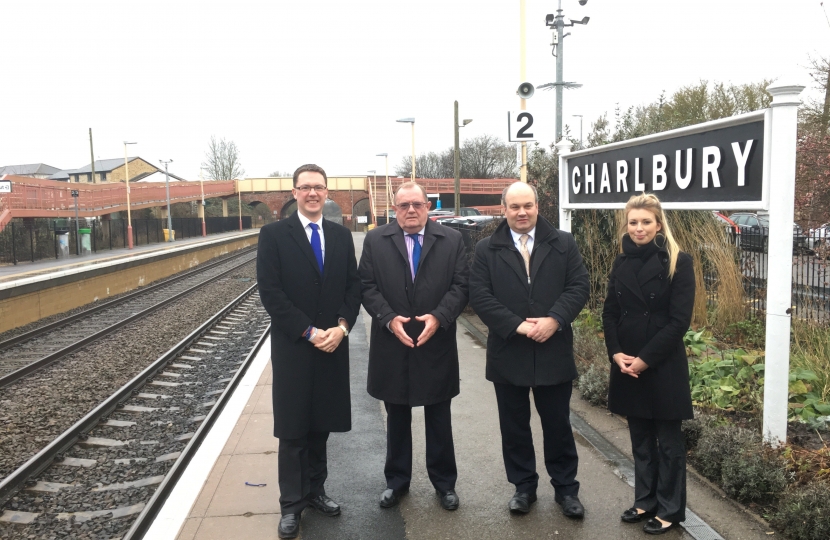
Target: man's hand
(544,328)
(624,361)
(430,327)
(396,325)
(524,328)
(331,340)
(319,337)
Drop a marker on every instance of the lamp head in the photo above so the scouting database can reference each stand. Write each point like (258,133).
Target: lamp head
(467,121)
(583,2)
(406,120)
(382,155)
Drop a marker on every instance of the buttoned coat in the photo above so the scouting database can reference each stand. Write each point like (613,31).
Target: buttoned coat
(503,297)
(426,374)
(310,387)
(646,314)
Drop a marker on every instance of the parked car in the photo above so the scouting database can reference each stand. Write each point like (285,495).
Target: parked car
(435,214)
(755,232)
(817,240)
(469,222)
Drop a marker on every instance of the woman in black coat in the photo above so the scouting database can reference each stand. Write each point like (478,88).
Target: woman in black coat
(647,312)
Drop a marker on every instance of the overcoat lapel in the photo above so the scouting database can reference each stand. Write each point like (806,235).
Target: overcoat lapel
(540,251)
(298,234)
(651,269)
(514,261)
(331,248)
(629,279)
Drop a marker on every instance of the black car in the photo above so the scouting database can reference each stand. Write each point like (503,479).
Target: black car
(754,232)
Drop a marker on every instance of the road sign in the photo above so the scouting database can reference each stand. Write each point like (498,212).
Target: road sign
(5,186)
(74,192)
(519,126)
(362,219)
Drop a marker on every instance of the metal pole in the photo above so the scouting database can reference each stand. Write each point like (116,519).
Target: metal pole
(240,204)
(77,228)
(455,159)
(388,188)
(202,202)
(413,150)
(92,158)
(560,49)
(522,76)
(127,182)
(167,187)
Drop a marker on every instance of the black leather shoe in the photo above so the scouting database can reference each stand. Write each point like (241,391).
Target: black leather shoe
(449,500)
(323,504)
(571,506)
(289,526)
(391,497)
(520,503)
(653,526)
(632,516)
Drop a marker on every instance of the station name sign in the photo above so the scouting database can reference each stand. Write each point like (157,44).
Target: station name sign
(718,166)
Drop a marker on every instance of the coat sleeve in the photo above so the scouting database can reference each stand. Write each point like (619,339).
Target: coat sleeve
(681,306)
(285,316)
(351,300)
(374,302)
(611,314)
(455,299)
(490,310)
(577,286)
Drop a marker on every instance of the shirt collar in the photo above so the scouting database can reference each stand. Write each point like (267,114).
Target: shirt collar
(531,234)
(421,232)
(305,221)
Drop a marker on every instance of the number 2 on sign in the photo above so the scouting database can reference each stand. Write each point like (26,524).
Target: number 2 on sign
(519,124)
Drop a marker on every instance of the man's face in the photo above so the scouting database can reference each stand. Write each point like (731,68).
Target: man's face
(520,209)
(410,218)
(310,193)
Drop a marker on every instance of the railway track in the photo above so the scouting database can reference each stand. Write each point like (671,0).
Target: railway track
(108,475)
(33,350)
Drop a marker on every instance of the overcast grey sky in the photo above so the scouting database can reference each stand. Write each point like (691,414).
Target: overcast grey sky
(323,81)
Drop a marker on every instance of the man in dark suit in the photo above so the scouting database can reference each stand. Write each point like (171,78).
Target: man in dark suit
(413,273)
(527,284)
(308,282)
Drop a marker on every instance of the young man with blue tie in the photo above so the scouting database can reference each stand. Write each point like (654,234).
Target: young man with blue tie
(308,283)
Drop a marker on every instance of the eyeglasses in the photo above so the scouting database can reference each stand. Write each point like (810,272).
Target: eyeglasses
(306,189)
(415,205)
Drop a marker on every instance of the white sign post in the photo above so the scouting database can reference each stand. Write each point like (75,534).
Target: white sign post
(739,163)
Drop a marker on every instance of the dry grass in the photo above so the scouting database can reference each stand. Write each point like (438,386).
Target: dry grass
(810,349)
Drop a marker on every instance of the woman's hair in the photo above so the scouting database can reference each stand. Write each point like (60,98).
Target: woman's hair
(650,202)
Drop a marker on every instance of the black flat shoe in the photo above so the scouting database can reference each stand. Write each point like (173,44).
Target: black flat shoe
(323,504)
(571,506)
(520,502)
(449,499)
(289,526)
(390,497)
(653,526)
(632,516)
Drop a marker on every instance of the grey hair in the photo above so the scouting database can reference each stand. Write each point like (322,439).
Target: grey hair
(411,185)
(504,192)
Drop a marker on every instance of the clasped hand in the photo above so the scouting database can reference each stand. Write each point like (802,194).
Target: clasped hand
(630,365)
(539,329)
(328,340)
(431,325)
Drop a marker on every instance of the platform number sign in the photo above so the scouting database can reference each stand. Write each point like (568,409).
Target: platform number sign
(74,192)
(5,186)
(520,126)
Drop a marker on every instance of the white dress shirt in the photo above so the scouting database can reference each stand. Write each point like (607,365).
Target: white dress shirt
(305,221)
(518,243)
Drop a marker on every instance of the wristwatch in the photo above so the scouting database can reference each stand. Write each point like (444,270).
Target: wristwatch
(341,324)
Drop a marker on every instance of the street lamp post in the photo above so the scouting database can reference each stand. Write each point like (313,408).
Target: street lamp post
(167,188)
(580,129)
(456,166)
(411,121)
(127,181)
(387,187)
(202,203)
(373,192)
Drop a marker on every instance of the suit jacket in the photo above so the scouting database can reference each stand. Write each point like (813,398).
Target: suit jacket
(646,314)
(427,374)
(310,387)
(503,298)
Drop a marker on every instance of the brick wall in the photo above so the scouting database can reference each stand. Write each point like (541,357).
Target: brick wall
(137,166)
(277,199)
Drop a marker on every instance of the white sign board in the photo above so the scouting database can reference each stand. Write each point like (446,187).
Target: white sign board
(5,186)
(362,219)
(520,126)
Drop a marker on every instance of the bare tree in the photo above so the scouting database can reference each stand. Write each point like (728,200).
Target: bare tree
(485,156)
(222,160)
(278,174)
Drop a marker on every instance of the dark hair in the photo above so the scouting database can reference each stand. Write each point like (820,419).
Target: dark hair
(309,167)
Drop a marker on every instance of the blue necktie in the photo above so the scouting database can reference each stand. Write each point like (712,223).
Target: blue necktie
(416,253)
(316,246)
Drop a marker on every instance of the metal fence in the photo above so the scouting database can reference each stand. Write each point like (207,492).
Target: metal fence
(37,239)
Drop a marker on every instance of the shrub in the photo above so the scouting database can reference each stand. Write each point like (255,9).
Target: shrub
(717,442)
(593,384)
(592,359)
(754,474)
(694,428)
(804,513)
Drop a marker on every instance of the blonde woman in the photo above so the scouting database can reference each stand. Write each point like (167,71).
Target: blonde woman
(648,310)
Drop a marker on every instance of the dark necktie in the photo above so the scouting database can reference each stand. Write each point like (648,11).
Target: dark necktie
(316,246)
(416,253)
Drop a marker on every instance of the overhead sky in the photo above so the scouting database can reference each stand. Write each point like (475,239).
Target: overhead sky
(323,81)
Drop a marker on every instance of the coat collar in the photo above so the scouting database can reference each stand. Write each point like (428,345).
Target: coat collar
(298,233)
(652,267)
(502,240)
(432,231)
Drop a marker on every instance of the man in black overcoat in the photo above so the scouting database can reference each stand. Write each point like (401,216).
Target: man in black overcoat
(414,280)
(308,283)
(527,284)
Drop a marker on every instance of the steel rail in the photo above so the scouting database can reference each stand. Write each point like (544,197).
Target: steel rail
(46,360)
(43,459)
(154,505)
(37,332)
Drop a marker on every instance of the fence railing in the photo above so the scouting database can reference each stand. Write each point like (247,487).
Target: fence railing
(37,239)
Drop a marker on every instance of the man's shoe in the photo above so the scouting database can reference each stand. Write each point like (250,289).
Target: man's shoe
(633,516)
(323,504)
(571,506)
(289,526)
(449,500)
(520,503)
(391,497)
(654,526)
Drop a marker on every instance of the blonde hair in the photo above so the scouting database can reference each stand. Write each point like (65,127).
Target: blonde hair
(650,202)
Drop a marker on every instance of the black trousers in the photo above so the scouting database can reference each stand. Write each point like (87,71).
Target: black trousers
(561,459)
(302,470)
(659,449)
(440,450)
